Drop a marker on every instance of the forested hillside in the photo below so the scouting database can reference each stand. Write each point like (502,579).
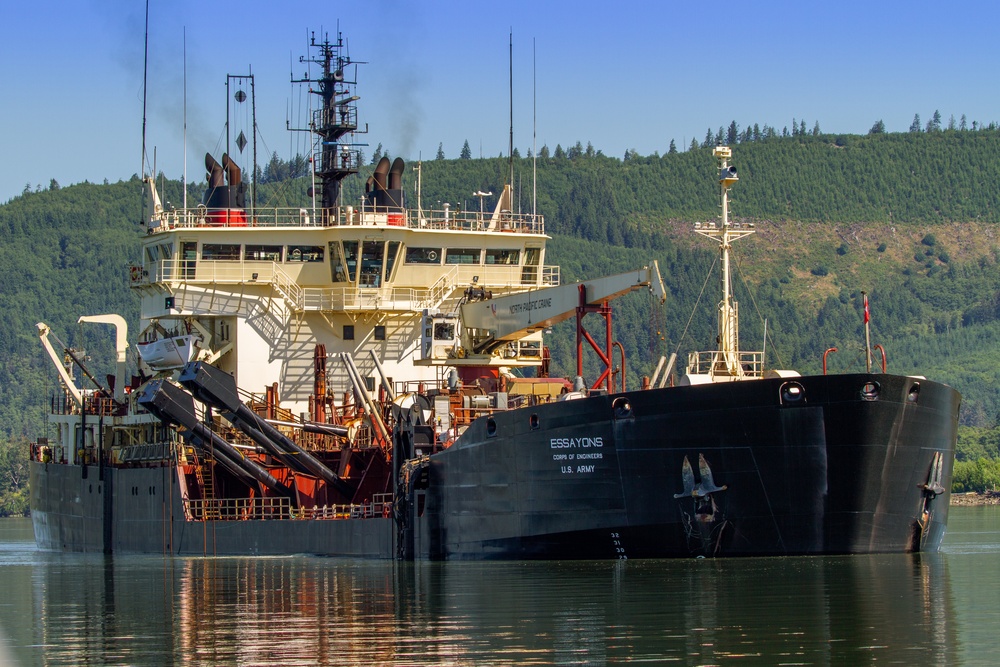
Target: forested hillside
(909,218)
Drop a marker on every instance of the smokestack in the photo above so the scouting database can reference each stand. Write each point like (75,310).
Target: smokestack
(214,170)
(233,172)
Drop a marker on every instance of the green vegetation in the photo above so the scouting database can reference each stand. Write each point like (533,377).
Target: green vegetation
(910,218)
(13,477)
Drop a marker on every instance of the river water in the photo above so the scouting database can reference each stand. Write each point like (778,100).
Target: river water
(71,609)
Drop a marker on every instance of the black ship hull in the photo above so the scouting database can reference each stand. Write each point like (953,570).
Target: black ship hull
(806,465)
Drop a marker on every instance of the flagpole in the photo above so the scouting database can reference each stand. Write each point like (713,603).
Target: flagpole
(868,336)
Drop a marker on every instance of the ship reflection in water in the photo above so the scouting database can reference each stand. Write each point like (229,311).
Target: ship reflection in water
(305,611)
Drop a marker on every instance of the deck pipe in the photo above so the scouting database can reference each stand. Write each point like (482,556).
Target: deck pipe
(217,388)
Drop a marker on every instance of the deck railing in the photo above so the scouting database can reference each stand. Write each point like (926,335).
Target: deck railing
(257,509)
(368,216)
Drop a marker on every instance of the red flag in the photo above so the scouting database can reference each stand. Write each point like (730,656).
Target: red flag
(868,316)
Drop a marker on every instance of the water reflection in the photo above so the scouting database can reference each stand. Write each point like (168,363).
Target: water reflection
(307,611)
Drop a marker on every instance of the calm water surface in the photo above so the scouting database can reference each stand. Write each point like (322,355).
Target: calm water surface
(70,609)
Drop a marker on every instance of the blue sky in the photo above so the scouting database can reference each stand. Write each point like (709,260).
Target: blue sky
(621,75)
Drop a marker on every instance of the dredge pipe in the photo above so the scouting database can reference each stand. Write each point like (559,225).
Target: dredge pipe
(217,388)
(173,405)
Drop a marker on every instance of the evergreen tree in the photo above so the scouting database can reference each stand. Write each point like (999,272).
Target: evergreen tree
(802,127)
(720,136)
(756,132)
(377,155)
(816,131)
(53,184)
(951,122)
(694,145)
(544,153)
(559,152)
(963,124)
(733,134)
(795,127)
(934,124)
(878,127)
(589,151)
(673,148)
(516,154)
(709,139)
(915,125)
(440,153)
(466,151)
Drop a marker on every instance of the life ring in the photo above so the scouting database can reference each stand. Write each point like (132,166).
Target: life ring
(432,255)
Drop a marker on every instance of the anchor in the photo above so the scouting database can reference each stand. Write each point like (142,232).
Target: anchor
(932,488)
(708,521)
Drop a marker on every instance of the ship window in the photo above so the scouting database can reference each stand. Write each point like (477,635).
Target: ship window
(263,253)
(348,332)
(462,256)
(502,256)
(380,332)
(390,259)
(529,272)
(338,271)
(304,253)
(351,259)
(491,427)
(372,253)
(221,251)
(444,331)
(423,255)
(533,422)
(166,250)
(152,253)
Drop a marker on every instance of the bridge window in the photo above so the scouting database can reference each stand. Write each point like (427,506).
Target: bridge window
(379,332)
(348,332)
(304,253)
(463,256)
(502,256)
(423,255)
(390,259)
(263,253)
(372,253)
(221,251)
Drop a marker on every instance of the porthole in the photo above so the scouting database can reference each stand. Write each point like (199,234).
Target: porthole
(792,393)
(870,391)
(914,393)
(491,427)
(533,422)
(622,408)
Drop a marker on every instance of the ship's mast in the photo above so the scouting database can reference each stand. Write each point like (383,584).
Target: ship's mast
(727,356)
(337,117)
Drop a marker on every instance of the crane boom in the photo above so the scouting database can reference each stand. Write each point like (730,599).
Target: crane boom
(514,316)
(71,388)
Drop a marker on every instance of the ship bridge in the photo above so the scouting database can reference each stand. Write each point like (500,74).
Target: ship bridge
(345,259)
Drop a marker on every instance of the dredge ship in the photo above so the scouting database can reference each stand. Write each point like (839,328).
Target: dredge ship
(351,381)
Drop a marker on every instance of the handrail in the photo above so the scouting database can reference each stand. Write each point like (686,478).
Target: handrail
(472,221)
(262,509)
